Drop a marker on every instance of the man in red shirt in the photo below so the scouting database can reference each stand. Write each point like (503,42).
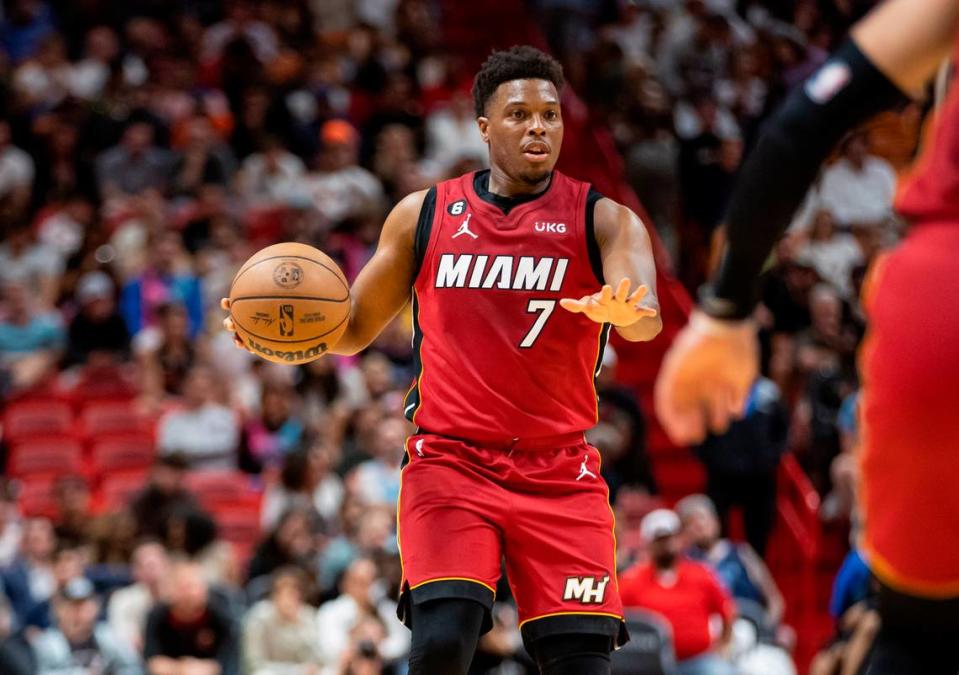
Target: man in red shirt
(685,593)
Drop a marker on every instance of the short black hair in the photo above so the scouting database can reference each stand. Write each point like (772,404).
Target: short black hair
(520,62)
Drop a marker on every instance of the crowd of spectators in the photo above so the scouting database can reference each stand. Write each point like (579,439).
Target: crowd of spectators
(147,149)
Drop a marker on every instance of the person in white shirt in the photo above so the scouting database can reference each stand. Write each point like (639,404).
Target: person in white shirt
(833,254)
(270,175)
(205,431)
(16,168)
(128,607)
(279,633)
(452,135)
(858,189)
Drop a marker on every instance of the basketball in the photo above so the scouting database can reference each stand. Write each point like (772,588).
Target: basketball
(290,303)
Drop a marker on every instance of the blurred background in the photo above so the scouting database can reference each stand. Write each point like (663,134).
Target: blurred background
(169,504)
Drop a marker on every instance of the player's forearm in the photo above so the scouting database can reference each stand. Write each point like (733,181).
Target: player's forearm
(779,171)
(643,330)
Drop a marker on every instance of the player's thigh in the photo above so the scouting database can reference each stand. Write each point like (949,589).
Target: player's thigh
(450,545)
(561,553)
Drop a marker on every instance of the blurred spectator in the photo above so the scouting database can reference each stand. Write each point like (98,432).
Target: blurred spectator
(858,188)
(853,584)
(340,188)
(377,480)
(289,543)
(193,534)
(164,493)
(129,607)
(90,75)
(16,656)
(307,481)
(268,176)
(277,431)
(280,633)
(452,134)
(135,165)
(834,255)
(11,529)
(31,340)
(360,597)
(240,23)
(69,562)
(16,173)
(34,265)
(202,161)
(687,595)
(80,643)
(164,281)
(97,332)
(74,509)
(739,567)
(30,579)
(166,353)
(205,431)
(190,634)
(742,464)
(26,23)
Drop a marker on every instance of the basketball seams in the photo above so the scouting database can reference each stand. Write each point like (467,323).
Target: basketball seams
(297,257)
(291,298)
(309,339)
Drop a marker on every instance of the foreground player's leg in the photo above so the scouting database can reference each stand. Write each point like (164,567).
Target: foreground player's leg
(445,634)
(573,654)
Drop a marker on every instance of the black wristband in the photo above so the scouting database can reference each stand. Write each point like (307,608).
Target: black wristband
(846,91)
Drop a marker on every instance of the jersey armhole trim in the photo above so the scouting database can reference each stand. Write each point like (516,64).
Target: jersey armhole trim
(424,227)
(592,246)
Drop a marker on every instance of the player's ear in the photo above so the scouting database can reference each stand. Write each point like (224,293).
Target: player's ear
(483,124)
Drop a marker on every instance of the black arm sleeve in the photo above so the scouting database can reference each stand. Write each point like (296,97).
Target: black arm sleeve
(847,90)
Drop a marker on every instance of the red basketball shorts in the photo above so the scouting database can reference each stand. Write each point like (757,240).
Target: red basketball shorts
(466,506)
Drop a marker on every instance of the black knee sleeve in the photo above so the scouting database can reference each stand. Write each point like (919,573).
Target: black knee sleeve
(584,654)
(445,633)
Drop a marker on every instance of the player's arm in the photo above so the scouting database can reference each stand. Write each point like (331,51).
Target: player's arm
(627,259)
(382,287)
(706,375)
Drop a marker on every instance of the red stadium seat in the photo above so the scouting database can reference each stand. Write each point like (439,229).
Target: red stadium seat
(46,456)
(216,488)
(110,417)
(37,417)
(117,490)
(123,452)
(36,498)
(239,525)
(102,382)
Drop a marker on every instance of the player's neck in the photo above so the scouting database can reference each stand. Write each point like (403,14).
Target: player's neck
(504,186)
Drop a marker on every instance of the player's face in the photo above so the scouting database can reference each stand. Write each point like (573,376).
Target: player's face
(523,127)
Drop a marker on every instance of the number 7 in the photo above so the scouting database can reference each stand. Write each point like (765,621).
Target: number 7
(545,308)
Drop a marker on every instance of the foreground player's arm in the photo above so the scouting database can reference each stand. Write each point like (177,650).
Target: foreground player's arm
(706,375)
(627,257)
(382,287)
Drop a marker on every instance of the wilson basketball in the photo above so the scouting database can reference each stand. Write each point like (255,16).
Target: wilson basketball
(290,303)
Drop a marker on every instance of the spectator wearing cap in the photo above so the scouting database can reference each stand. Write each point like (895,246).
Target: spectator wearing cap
(97,332)
(128,607)
(79,643)
(69,563)
(204,430)
(742,571)
(190,634)
(163,494)
(686,593)
(279,633)
(339,188)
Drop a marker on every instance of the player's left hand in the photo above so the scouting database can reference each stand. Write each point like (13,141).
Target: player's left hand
(621,308)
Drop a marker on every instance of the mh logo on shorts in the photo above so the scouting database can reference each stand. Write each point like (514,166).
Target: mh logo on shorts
(588,590)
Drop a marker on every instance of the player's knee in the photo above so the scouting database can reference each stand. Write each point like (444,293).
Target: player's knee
(441,651)
(573,654)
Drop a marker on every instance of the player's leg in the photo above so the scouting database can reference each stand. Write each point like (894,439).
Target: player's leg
(450,552)
(445,634)
(561,560)
(918,635)
(573,654)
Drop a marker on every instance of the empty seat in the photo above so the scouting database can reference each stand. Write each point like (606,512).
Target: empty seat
(33,417)
(36,497)
(650,647)
(46,455)
(110,417)
(123,452)
(216,487)
(118,489)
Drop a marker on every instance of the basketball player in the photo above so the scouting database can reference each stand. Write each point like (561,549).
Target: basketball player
(509,330)
(909,463)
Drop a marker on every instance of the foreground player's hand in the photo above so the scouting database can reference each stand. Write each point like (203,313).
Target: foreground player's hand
(705,377)
(229,325)
(621,308)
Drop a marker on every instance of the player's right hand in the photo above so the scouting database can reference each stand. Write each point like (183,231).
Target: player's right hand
(706,377)
(229,325)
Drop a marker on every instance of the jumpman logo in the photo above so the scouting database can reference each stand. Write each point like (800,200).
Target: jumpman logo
(465,228)
(584,471)
(419,448)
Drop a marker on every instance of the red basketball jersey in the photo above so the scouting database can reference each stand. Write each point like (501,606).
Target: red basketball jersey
(929,193)
(497,357)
